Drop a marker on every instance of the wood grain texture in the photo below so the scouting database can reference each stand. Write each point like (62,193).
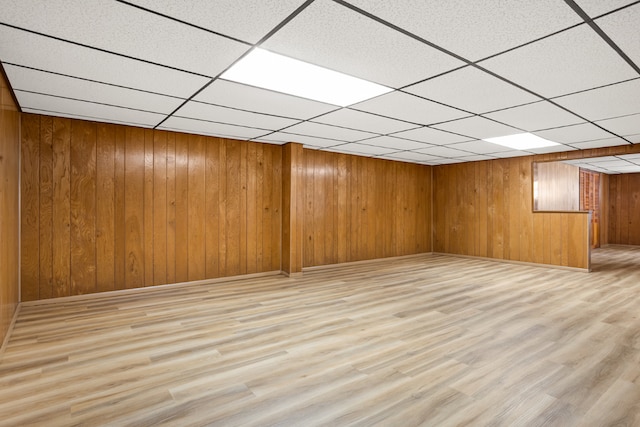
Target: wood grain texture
(119,207)
(358,208)
(624,209)
(9,206)
(510,229)
(427,340)
(292,208)
(558,186)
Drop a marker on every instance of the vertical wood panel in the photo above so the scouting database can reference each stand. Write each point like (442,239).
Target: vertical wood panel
(159,208)
(46,207)
(196,201)
(171,208)
(120,231)
(105,208)
(233,208)
(147,222)
(30,208)
(212,179)
(10,147)
(134,207)
(250,209)
(61,207)
(623,213)
(275,221)
(182,208)
(83,207)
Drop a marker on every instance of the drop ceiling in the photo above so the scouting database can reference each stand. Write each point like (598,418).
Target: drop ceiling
(461,70)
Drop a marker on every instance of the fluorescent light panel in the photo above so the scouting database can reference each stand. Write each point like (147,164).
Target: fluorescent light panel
(280,73)
(521,141)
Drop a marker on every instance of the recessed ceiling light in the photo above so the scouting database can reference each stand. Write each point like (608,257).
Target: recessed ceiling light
(280,73)
(521,141)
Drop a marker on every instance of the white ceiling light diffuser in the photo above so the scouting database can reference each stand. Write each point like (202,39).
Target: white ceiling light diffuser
(521,141)
(279,73)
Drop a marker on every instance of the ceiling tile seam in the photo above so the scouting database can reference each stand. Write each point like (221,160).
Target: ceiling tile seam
(90,102)
(386,117)
(221,123)
(180,21)
(94,81)
(122,55)
(364,142)
(245,110)
(604,36)
(262,40)
(3,75)
(594,88)
(615,10)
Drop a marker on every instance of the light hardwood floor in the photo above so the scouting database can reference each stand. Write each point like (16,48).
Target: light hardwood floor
(432,340)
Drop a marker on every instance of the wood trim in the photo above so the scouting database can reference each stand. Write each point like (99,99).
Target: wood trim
(508,261)
(135,291)
(365,261)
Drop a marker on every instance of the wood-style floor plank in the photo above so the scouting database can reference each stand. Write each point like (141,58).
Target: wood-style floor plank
(430,340)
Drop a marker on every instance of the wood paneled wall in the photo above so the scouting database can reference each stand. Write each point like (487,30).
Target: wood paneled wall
(485,209)
(624,209)
(359,208)
(108,207)
(9,204)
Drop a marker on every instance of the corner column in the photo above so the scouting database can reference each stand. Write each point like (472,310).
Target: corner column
(292,204)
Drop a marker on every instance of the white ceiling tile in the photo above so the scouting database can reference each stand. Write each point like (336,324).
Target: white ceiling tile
(362,149)
(363,121)
(610,101)
(474,29)
(627,125)
(22,48)
(613,163)
(328,132)
(235,95)
(551,149)
(335,37)
(472,90)
(540,115)
(628,169)
(411,156)
(512,153)
(476,158)
(213,113)
(575,133)
(570,61)
(598,7)
(99,112)
(599,143)
(622,27)
(303,139)
(478,127)
(249,21)
(81,117)
(481,147)
(443,151)
(601,159)
(127,30)
(396,143)
(432,136)
(209,128)
(410,108)
(68,87)
(443,162)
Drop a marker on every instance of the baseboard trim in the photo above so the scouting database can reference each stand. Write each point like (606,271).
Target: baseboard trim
(509,261)
(364,261)
(133,291)
(5,342)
